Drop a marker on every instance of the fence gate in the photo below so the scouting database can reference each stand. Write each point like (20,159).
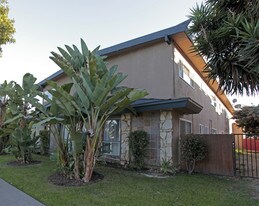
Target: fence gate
(246,155)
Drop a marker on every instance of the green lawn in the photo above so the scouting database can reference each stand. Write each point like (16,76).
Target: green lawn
(121,187)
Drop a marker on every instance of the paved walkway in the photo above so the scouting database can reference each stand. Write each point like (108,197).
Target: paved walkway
(11,196)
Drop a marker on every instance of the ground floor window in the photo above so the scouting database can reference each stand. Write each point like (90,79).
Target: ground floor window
(202,129)
(111,140)
(185,127)
(213,131)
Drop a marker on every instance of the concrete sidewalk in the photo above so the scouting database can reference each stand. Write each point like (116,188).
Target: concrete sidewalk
(11,196)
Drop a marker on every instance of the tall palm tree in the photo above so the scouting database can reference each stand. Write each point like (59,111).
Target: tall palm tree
(226,33)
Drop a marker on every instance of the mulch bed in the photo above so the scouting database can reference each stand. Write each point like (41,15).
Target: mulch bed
(62,180)
(19,164)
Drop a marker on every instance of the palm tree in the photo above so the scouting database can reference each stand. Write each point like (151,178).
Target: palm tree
(226,33)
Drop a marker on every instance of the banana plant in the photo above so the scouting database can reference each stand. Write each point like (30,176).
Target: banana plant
(98,95)
(63,106)
(21,117)
(6,90)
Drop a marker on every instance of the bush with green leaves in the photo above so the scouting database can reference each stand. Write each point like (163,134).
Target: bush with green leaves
(138,142)
(248,119)
(167,166)
(22,144)
(44,140)
(20,115)
(193,149)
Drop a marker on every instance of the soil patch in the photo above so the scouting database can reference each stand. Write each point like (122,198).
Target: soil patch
(19,164)
(62,180)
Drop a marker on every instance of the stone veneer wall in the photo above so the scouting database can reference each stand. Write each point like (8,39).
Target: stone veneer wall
(149,122)
(125,130)
(166,132)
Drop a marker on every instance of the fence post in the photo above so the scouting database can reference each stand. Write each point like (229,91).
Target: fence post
(234,157)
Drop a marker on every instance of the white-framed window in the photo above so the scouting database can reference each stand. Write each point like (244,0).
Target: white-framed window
(185,127)
(206,130)
(213,131)
(214,100)
(111,139)
(202,129)
(185,74)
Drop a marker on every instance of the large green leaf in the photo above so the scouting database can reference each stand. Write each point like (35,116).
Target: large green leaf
(110,102)
(84,48)
(29,83)
(82,95)
(48,120)
(14,119)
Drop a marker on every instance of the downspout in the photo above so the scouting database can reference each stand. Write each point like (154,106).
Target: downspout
(169,41)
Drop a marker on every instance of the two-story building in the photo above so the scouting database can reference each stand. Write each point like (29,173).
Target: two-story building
(180,99)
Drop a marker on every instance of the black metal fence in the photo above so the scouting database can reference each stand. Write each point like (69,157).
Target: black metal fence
(246,155)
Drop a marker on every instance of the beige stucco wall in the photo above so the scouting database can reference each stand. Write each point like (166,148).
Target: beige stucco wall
(147,68)
(155,68)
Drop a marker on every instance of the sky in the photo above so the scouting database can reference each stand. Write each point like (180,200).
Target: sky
(42,26)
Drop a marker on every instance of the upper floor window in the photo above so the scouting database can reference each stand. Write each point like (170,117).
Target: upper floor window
(214,100)
(185,74)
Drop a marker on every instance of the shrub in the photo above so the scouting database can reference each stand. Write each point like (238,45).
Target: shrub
(193,149)
(44,138)
(167,167)
(138,142)
(23,144)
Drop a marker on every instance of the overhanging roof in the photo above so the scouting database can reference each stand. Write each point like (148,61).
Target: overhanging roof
(153,37)
(182,105)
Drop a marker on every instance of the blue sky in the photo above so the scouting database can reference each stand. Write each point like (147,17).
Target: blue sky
(43,25)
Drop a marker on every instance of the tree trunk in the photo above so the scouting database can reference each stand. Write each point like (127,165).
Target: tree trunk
(76,167)
(89,160)
(190,166)
(89,164)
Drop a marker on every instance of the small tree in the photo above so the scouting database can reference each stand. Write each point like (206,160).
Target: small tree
(21,116)
(138,142)
(5,90)
(248,119)
(193,149)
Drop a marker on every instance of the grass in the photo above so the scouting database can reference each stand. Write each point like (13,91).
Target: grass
(120,187)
